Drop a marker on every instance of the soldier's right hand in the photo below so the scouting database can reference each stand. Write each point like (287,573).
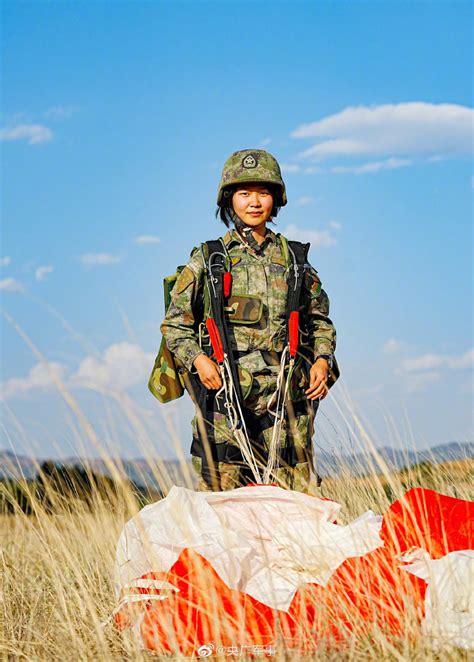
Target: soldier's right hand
(208,372)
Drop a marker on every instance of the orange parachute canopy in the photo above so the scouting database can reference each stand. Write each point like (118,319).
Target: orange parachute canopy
(188,608)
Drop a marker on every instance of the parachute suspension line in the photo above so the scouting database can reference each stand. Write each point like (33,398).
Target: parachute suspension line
(231,400)
(279,396)
(236,418)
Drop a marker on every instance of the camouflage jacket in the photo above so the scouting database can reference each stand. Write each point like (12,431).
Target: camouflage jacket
(260,277)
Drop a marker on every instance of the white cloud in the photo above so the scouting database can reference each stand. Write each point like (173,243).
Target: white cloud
(5,261)
(335,225)
(11,285)
(122,365)
(59,111)
(304,200)
(314,170)
(316,237)
(147,239)
(392,346)
(33,133)
(41,375)
(265,142)
(99,258)
(462,362)
(42,272)
(308,170)
(290,167)
(361,169)
(372,166)
(418,372)
(424,362)
(418,381)
(428,362)
(391,129)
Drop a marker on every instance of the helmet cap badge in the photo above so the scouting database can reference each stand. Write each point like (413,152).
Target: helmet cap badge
(249,161)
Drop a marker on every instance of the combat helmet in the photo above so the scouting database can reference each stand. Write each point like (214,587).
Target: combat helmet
(252,165)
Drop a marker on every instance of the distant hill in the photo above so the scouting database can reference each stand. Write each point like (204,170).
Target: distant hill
(165,473)
(138,471)
(17,466)
(360,464)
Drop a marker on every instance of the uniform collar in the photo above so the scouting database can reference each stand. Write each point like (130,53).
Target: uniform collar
(232,237)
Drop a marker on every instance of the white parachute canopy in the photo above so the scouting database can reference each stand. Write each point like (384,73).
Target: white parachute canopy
(264,541)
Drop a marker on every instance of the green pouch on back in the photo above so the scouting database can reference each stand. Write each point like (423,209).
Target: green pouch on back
(166,382)
(168,283)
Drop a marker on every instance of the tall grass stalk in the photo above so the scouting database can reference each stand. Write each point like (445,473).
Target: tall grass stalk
(56,564)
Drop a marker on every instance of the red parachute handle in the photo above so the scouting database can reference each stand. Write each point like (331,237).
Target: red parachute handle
(227,284)
(293,326)
(215,338)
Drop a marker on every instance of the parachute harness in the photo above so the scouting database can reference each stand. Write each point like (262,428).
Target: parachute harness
(218,285)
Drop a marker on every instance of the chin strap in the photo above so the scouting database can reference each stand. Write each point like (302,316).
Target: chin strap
(246,231)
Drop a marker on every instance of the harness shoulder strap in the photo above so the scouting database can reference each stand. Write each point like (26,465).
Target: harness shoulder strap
(213,246)
(215,258)
(299,258)
(210,250)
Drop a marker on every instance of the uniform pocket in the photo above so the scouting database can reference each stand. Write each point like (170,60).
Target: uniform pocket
(245,381)
(263,376)
(299,381)
(244,309)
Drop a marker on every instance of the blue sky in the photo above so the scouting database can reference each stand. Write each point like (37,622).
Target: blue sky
(117,119)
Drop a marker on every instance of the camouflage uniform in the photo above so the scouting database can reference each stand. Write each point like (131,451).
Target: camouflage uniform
(260,279)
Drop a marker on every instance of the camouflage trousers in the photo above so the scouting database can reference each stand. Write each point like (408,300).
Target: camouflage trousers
(300,478)
(295,438)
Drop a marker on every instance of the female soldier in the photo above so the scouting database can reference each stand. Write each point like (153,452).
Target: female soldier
(237,399)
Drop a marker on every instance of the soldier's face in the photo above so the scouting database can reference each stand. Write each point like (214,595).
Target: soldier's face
(253,204)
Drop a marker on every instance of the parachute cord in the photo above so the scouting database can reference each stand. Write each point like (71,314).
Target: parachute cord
(234,410)
(280,395)
(281,374)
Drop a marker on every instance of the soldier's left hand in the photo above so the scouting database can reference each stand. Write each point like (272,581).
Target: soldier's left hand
(318,378)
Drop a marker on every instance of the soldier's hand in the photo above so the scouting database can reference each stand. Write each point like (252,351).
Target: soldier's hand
(208,372)
(318,378)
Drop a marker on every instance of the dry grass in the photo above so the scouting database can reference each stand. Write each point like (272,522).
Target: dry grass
(377,492)
(57,592)
(56,564)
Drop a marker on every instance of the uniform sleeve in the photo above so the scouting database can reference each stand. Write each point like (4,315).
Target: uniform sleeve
(321,330)
(180,325)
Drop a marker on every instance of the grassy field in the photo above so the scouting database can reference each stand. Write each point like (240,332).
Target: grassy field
(57,564)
